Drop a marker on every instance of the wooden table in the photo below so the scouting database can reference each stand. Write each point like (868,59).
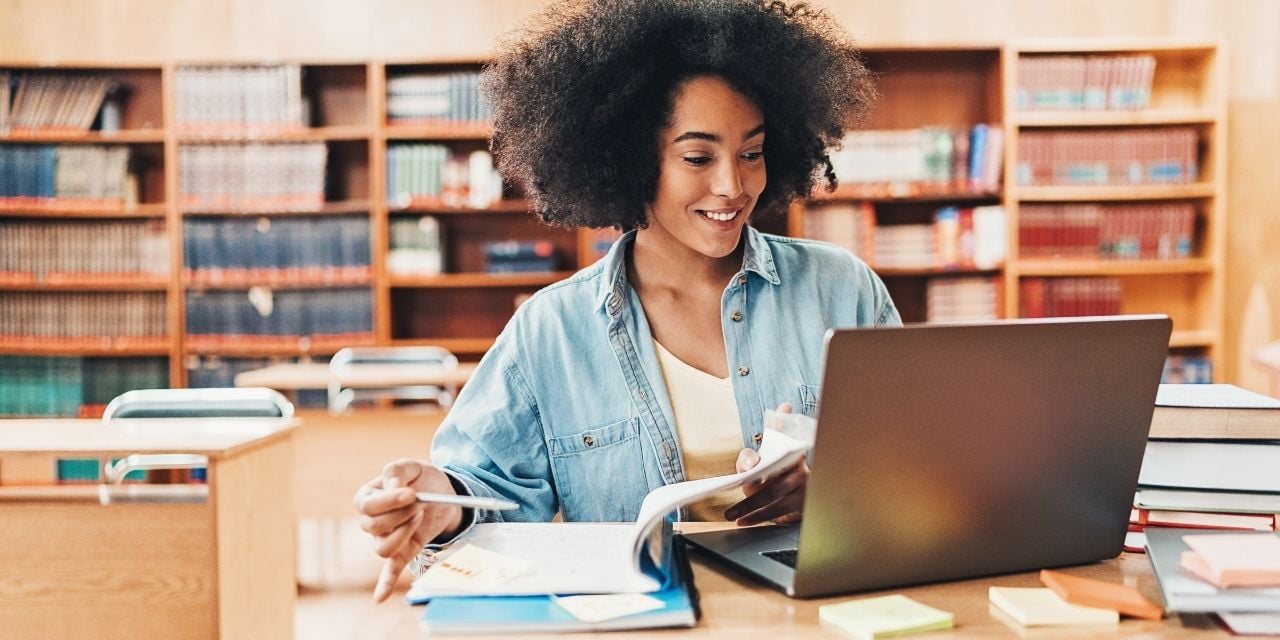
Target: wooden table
(316,375)
(181,561)
(735,607)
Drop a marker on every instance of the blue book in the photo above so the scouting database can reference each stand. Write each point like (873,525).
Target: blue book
(541,613)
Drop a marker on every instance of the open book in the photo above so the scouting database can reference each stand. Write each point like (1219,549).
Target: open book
(529,558)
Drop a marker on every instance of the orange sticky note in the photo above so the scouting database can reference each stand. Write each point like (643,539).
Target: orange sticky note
(1088,592)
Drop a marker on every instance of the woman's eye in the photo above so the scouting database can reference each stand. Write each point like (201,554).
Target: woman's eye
(753,156)
(697,161)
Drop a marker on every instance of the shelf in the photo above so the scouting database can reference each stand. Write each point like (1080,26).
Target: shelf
(90,347)
(261,347)
(475,280)
(1094,45)
(902,193)
(124,136)
(1113,118)
(342,207)
(1069,267)
(83,282)
(909,272)
(1114,192)
(1185,339)
(55,209)
(455,345)
(460,131)
(235,281)
(312,134)
(502,207)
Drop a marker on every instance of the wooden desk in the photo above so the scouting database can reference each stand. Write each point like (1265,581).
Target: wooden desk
(316,375)
(735,607)
(184,561)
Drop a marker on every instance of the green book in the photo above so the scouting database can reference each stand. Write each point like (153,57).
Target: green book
(884,616)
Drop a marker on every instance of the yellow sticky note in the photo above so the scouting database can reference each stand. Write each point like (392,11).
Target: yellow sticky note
(869,618)
(472,568)
(598,608)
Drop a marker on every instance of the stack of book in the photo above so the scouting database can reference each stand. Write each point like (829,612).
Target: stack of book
(1211,461)
(1107,231)
(44,102)
(1116,157)
(921,160)
(1084,82)
(1064,297)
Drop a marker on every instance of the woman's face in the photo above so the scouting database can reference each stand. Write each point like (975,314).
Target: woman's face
(711,168)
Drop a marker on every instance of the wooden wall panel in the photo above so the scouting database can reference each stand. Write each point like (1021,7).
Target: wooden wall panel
(155,30)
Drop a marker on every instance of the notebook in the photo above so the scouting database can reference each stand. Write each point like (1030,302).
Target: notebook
(1184,593)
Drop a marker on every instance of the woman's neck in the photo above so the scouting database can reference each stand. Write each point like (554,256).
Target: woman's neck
(664,263)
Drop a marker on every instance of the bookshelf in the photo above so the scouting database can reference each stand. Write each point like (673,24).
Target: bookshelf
(201,251)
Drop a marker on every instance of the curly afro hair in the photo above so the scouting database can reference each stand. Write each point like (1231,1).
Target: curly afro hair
(581,93)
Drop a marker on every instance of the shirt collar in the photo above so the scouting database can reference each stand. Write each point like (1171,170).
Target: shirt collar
(756,258)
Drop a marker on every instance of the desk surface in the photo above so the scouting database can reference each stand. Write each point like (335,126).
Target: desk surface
(735,607)
(316,375)
(213,437)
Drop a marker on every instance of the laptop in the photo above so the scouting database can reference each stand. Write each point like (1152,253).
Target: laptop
(955,451)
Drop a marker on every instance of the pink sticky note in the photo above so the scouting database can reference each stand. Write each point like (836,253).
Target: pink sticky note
(1234,560)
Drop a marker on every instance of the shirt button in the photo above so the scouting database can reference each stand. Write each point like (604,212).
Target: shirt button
(736,317)
(588,440)
(757,438)
(742,279)
(742,371)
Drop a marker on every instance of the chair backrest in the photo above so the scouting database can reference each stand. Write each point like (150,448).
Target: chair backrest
(247,402)
(395,373)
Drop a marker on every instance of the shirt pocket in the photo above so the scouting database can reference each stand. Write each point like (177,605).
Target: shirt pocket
(600,472)
(810,394)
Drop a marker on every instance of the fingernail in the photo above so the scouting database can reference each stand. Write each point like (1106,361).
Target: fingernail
(393,483)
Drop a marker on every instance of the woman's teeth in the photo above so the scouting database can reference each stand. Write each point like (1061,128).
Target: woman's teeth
(722,217)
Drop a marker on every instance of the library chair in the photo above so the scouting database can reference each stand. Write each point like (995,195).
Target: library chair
(250,402)
(359,374)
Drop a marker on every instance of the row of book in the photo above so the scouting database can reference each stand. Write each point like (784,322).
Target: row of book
(969,299)
(1117,157)
(238,99)
(1187,368)
(436,98)
(1063,297)
(1164,231)
(512,256)
(1116,82)
(329,250)
(30,174)
(434,175)
(932,157)
(47,102)
(73,251)
(252,176)
(958,238)
(36,318)
(57,386)
(415,246)
(216,318)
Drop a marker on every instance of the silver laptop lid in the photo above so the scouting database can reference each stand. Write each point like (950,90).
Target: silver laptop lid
(948,451)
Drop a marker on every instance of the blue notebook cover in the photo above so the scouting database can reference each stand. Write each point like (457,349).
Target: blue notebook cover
(497,614)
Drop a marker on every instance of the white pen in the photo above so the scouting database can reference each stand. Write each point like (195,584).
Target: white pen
(474,502)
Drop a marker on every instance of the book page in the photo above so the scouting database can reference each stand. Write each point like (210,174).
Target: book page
(564,557)
(778,452)
(1213,396)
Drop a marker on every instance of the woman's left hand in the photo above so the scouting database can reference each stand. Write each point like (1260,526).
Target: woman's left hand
(779,498)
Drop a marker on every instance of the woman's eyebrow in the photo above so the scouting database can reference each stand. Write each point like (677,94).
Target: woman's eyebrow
(711,137)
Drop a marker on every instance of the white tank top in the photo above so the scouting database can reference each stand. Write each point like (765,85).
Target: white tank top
(708,428)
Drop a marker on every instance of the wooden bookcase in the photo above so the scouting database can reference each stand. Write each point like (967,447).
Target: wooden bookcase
(463,308)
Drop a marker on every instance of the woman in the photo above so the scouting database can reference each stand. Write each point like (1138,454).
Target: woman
(680,121)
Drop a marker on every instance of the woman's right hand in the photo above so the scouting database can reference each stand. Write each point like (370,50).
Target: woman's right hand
(401,525)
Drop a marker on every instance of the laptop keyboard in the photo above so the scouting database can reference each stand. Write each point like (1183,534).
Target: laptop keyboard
(785,556)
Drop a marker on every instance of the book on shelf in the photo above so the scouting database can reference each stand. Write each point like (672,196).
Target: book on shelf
(1163,231)
(1063,297)
(425,175)
(288,319)
(316,251)
(52,102)
(929,159)
(535,559)
(434,98)
(252,176)
(1084,82)
(416,247)
(512,256)
(87,320)
(1123,156)
(1215,411)
(1187,368)
(85,175)
(232,100)
(1185,593)
(968,299)
(83,251)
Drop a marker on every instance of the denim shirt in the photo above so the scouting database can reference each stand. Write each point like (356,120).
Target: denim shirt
(568,411)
